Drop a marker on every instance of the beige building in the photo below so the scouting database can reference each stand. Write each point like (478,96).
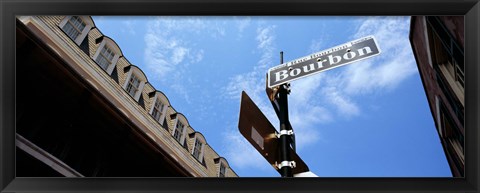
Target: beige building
(84,110)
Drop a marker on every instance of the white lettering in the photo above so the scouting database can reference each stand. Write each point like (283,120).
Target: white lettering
(295,72)
(367,49)
(281,75)
(330,58)
(320,63)
(332,61)
(352,55)
(305,68)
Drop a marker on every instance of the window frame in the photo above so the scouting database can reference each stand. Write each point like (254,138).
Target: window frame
(73,25)
(88,26)
(176,131)
(450,133)
(107,55)
(183,132)
(447,55)
(133,82)
(111,45)
(220,170)
(158,110)
(200,140)
(222,161)
(195,150)
(164,101)
(139,75)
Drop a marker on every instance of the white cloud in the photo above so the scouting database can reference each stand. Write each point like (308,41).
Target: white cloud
(253,83)
(167,45)
(343,104)
(367,77)
(392,66)
(307,123)
(264,37)
(307,113)
(241,154)
(377,74)
(265,40)
(316,45)
(199,55)
(242,23)
(181,90)
(308,87)
(129,26)
(178,54)
(170,48)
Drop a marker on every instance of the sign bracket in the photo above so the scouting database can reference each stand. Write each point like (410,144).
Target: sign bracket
(291,164)
(285,132)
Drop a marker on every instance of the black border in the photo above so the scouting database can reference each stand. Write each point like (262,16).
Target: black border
(10,8)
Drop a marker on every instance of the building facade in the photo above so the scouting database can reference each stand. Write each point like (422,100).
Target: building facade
(438,46)
(83,110)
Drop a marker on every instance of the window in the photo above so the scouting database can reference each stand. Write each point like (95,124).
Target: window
(452,133)
(446,51)
(158,110)
(449,63)
(178,131)
(456,105)
(197,150)
(222,166)
(107,54)
(134,82)
(198,146)
(454,139)
(222,170)
(74,27)
(105,58)
(133,85)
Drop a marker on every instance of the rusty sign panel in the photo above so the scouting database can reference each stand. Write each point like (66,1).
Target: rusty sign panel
(256,128)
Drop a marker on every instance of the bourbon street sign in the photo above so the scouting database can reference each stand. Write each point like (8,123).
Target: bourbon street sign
(324,60)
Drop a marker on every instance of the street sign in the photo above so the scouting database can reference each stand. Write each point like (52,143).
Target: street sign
(256,128)
(324,60)
(305,174)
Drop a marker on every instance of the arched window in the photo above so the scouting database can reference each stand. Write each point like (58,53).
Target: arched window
(135,82)
(180,128)
(76,27)
(198,146)
(107,54)
(159,107)
(223,170)
(222,166)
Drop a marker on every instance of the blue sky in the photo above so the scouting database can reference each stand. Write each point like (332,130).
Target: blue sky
(366,119)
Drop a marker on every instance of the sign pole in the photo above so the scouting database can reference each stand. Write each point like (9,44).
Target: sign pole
(277,146)
(285,166)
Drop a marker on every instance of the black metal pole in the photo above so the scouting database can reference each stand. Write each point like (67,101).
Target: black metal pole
(286,171)
(281,57)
